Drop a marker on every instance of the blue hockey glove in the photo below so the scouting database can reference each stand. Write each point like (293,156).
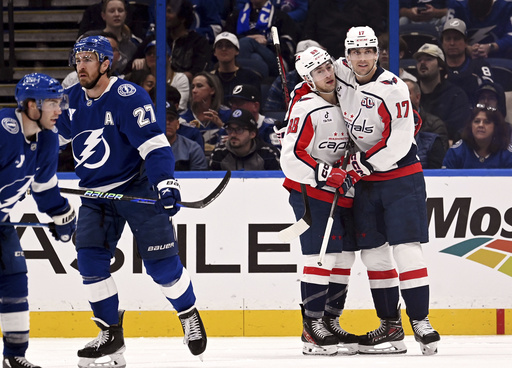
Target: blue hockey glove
(168,194)
(64,224)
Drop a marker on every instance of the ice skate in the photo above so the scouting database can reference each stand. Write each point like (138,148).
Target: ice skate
(425,334)
(347,342)
(387,339)
(17,362)
(107,349)
(317,339)
(195,334)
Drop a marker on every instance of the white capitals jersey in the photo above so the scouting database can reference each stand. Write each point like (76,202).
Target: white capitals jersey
(380,121)
(315,134)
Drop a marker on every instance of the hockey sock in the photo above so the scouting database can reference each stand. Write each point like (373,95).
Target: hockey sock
(313,299)
(338,283)
(14,314)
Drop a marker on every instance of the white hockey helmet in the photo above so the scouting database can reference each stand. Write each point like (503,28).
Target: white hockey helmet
(310,59)
(360,37)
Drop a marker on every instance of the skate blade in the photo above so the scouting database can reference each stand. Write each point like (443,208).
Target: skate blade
(390,347)
(348,349)
(429,349)
(107,361)
(313,349)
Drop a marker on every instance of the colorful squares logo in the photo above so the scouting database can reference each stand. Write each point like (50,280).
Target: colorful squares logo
(493,253)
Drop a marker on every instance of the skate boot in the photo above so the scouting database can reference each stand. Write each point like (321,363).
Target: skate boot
(195,334)
(108,345)
(347,342)
(387,339)
(425,334)
(316,338)
(17,362)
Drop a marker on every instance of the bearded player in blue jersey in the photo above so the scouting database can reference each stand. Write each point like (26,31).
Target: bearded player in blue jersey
(118,146)
(29,149)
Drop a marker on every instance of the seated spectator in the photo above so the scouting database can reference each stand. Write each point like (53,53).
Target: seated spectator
(72,77)
(463,71)
(248,97)
(328,21)
(384,55)
(206,111)
(225,49)
(243,150)
(252,26)
(485,143)
(191,51)
(490,94)
(438,95)
(207,20)
(188,154)
(296,9)
(488,26)
(114,14)
(175,79)
(143,78)
(275,100)
(423,11)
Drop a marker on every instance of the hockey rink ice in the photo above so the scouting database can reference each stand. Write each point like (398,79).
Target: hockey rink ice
(279,352)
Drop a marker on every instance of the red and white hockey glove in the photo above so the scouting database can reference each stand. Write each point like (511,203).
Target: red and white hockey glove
(330,176)
(357,168)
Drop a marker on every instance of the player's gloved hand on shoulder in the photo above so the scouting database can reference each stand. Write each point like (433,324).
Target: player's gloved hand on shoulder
(330,176)
(357,168)
(64,224)
(168,194)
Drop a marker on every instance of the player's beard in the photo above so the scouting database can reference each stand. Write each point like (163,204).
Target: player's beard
(92,83)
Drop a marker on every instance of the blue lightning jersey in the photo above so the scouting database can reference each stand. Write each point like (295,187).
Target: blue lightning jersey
(113,134)
(25,164)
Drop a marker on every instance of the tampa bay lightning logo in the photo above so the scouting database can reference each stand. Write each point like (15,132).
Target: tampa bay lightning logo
(11,125)
(90,149)
(126,90)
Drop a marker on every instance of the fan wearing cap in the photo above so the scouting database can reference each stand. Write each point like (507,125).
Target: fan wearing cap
(175,79)
(438,95)
(248,97)
(29,146)
(462,70)
(225,49)
(243,149)
(490,94)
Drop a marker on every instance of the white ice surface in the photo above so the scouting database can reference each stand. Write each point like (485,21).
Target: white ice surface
(279,352)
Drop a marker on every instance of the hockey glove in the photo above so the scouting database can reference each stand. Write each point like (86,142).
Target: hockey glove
(168,194)
(330,176)
(64,224)
(357,168)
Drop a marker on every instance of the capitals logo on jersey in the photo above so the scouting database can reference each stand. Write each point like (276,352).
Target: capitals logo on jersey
(90,149)
(390,81)
(367,102)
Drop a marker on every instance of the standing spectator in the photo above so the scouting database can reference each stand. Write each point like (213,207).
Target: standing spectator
(462,70)
(489,25)
(206,111)
(188,155)
(248,97)
(225,49)
(423,11)
(485,143)
(122,149)
(114,14)
(207,21)
(439,96)
(296,9)
(243,150)
(329,20)
(310,163)
(29,147)
(252,26)
(191,51)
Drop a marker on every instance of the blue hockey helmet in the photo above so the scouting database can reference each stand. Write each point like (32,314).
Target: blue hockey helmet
(39,87)
(97,44)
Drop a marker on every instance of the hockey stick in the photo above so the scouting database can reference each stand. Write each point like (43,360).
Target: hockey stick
(295,230)
(280,64)
(330,220)
(121,197)
(25,224)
